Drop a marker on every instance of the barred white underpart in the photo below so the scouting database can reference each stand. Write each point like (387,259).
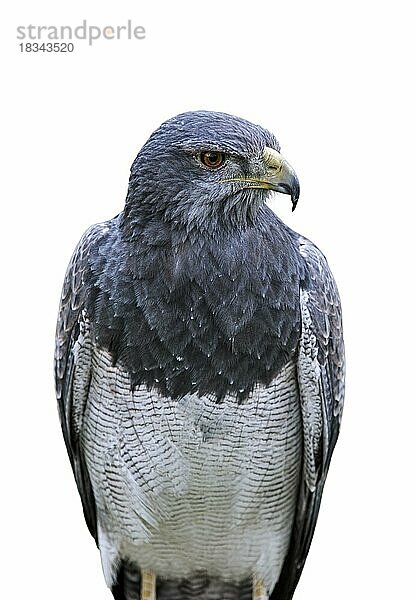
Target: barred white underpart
(192,484)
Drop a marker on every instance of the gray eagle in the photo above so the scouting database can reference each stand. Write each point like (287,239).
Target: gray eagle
(200,371)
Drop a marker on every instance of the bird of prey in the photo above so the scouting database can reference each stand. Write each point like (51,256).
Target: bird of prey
(200,371)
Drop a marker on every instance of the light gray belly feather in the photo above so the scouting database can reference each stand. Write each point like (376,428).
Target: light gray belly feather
(191,484)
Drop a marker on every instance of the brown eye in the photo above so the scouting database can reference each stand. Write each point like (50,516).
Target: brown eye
(212,159)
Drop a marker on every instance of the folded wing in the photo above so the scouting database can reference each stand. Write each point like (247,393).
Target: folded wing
(321,385)
(73,363)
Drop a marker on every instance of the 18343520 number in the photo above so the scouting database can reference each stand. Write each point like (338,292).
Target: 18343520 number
(46,47)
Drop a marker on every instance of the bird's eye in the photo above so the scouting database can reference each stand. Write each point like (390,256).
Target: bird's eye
(212,159)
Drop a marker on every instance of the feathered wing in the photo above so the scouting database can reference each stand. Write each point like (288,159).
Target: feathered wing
(321,386)
(73,364)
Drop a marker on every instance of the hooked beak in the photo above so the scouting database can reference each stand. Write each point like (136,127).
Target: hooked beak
(279,176)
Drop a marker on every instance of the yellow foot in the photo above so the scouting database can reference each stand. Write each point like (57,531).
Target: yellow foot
(259,591)
(148,585)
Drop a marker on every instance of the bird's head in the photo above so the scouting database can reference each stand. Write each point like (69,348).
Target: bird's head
(203,168)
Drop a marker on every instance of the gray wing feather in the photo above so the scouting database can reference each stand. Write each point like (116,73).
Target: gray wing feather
(73,364)
(320,370)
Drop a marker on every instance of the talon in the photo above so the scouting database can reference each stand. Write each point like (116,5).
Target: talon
(148,585)
(259,591)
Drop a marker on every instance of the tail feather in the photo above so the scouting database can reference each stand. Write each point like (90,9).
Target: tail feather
(203,587)
(199,587)
(127,585)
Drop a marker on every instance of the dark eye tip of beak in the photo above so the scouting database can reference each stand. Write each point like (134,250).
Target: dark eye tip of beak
(294,203)
(295,194)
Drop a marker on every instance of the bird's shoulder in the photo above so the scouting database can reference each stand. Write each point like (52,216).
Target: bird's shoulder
(90,247)
(78,281)
(317,271)
(320,301)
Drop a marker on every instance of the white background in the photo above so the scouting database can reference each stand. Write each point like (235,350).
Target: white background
(333,80)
